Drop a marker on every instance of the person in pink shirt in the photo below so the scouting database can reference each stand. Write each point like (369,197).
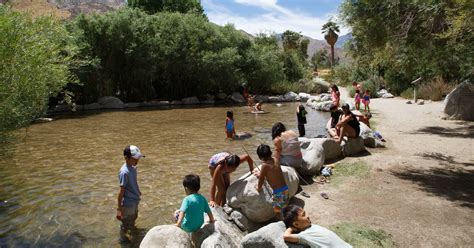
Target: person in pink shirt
(335,95)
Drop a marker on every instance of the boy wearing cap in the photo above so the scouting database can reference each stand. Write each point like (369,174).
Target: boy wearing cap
(129,194)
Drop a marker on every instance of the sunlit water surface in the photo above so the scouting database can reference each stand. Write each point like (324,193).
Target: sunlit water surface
(59,182)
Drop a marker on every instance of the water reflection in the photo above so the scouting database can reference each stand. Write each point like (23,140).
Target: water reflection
(60,179)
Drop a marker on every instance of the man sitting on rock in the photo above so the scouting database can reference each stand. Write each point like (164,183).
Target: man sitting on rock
(274,176)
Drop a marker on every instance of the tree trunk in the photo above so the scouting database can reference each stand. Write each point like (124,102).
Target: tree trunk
(332,56)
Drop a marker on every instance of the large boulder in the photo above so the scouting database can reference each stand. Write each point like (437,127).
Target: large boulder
(332,149)
(110,102)
(166,236)
(303,97)
(270,235)
(313,157)
(237,97)
(323,106)
(459,104)
(290,96)
(221,233)
(257,206)
(352,146)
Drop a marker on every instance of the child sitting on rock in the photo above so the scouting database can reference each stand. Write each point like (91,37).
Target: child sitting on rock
(300,230)
(274,175)
(190,216)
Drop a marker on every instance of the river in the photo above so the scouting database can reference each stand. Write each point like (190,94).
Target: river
(59,181)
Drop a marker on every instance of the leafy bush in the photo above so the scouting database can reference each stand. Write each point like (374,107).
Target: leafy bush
(284,87)
(35,55)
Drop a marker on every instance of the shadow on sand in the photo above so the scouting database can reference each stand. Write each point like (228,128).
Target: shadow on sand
(454,185)
(442,159)
(466,131)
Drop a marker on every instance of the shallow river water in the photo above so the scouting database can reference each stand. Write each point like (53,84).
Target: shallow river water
(59,181)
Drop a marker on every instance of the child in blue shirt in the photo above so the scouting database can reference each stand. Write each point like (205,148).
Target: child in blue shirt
(190,216)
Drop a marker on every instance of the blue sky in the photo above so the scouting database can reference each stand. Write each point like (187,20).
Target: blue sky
(266,16)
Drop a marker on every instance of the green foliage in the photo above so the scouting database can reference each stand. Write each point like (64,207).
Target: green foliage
(182,6)
(404,40)
(139,57)
(361,236)
(320,59)
(36,55)
(291,40)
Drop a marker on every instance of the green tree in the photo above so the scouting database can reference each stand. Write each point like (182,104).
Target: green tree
(330,29)
(404,40)
(291,39)
(36,55)
(182,6)
(320,58)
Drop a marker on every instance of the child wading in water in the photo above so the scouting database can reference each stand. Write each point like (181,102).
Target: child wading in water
(357,99)
(366,100)
(274,175)
(220,167)
(229,125)
(300,230)
(301,116)
(190,216)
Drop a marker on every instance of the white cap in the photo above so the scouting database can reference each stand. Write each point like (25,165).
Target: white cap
(133,151)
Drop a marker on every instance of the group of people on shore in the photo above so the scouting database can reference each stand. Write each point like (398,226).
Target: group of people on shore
(287,152)
(190,215)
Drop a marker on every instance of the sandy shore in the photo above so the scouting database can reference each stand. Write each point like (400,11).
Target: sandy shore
(420,188)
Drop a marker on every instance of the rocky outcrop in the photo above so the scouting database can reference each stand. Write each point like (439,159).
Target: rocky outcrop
(257,206)
(459,104)
(270,235)
(166,236)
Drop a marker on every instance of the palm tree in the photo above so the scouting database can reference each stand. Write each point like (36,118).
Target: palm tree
(331,29)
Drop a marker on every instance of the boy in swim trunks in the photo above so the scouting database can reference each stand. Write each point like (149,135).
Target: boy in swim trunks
(274,176)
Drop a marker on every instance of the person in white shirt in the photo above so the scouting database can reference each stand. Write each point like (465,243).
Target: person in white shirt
(300,230)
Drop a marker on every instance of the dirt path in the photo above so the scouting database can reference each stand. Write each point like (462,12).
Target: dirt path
(420,188)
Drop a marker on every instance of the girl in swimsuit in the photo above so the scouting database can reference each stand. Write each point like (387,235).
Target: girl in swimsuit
(357,99)
(335,95)
(229,125)
(220,167)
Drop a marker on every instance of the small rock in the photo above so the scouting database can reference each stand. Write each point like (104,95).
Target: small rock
(408,102)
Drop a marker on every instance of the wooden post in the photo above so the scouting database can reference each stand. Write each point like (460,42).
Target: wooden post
(415,82)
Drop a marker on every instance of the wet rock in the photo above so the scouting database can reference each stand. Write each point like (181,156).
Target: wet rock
(270,235)
(175,102)
(167,236)
(421,102)
(92,106)
(237,97)
(276,99)
(221,96)
(257,206)
(60,108)
(190,100)
(261,98)
(132,104)
(110,102)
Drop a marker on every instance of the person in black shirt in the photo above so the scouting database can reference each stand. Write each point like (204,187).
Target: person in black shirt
(348,125)
(301,116)
(335,115)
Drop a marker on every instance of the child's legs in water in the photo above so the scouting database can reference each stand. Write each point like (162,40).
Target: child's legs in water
(229,135)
